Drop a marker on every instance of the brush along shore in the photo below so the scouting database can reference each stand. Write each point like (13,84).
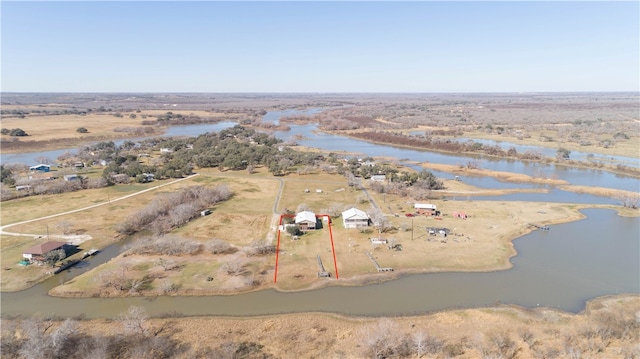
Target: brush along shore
(482,241)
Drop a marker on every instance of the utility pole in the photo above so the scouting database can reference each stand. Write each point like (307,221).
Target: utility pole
(411,228)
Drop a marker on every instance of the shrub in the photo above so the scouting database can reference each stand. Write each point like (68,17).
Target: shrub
(165,245)
(18,132)
(218,246)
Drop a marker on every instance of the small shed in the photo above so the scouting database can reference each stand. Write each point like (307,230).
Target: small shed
(306,220)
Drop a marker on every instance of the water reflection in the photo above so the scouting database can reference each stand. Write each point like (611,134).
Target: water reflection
(551,152)
(308,135)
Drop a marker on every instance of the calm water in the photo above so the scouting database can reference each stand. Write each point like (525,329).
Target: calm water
(341,144)
(551,152)
(561,268)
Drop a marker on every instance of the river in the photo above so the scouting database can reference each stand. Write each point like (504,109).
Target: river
(560,268)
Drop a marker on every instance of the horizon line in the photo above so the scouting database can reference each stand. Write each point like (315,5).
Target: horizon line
(316,92)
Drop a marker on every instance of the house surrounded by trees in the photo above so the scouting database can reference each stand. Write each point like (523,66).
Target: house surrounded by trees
(40,251)
(306,220)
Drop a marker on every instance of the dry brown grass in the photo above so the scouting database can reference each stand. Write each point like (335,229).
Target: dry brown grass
(481,242)
(59,131)
(626,148)
(502,176)
(316,335)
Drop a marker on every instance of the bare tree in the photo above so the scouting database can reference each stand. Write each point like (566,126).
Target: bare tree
(218,246)
(499,345)
(379,220)
(261,247)
(53,257)
(115,278)
(233,268)
(303,207)
(335,210)
(134,321)
(380,339)
(44,160)
(37,344)
(65,226)
(167,287)
(167,265)
(630,200)
(61,337)
(353,181)
(419,341)
(169,245)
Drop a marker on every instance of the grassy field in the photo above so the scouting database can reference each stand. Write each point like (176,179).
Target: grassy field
(626,148)
(60,131)
(481,242)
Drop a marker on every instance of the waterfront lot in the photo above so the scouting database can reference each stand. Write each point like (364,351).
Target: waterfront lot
(480,242)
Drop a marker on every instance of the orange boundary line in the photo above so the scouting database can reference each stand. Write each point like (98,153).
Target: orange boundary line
(333,250)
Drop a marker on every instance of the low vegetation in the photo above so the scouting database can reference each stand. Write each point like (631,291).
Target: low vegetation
(607,329)
(172,210)
(228,252)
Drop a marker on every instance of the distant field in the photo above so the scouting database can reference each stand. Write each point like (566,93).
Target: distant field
(60,131)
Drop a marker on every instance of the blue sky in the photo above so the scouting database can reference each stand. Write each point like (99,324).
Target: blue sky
(209,46)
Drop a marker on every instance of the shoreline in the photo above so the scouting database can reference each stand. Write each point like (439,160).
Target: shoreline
(547,160)
(467,332)
(59,144)
(362,279)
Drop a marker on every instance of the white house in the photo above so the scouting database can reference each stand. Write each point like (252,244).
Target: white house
(425,208)
(306,220)
(355,218)
(378,178)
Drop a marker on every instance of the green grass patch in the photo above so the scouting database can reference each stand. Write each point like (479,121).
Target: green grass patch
(143,266)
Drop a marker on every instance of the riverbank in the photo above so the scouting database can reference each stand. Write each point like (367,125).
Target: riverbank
(480,243)
(467,333)
(606,328)
(56,132)
(522,178)
(471,153)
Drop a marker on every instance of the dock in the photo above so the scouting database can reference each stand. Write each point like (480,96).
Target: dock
(322,273)
(544,228)
(89,253)
(375,263)
(66,265)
